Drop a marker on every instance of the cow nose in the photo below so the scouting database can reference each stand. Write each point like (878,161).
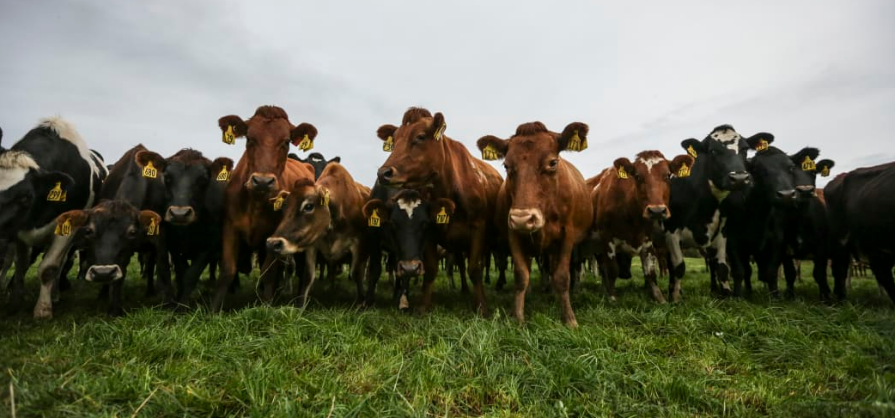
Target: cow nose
(179,213)
(739,178)
(786,194)
(526,220)
(410,268)
(262,182)
(658,211)
(805,190)
(105,273)
(276,245)
(385,174)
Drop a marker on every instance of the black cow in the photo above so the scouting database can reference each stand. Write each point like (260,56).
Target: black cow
(107,237)
(860,204)
(406,221)
(49,171)
(317,160)
(194,212)
(698,218)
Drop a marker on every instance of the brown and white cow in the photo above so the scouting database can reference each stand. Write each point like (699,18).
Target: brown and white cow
(261,173)
(630,202)
(324,218)
(424,157)
(545,204)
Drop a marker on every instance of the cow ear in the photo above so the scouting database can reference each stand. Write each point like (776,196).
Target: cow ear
(760,141)
(303,136)
(232,127)
(336,160)
(323,195)
(692,146)
(150,222)
(492,147)
(438,127)
(574,137)
(54,183)
(69,222)
(144,158)
(623,168)
(386,131)
(375,207)
(220,168)
(441,210)
(824,166)
(680,166)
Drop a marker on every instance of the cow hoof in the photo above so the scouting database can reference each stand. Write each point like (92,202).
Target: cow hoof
(43,312)
(572,324)
(613,299)
(115,312)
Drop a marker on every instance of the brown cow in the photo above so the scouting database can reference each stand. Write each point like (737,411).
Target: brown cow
(630,202)
(423,157)
(250,215)
(324,218)
(545,203)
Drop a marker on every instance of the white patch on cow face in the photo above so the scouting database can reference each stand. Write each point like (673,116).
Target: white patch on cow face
(728,137)
(14,166)
(408,205)
(650,162)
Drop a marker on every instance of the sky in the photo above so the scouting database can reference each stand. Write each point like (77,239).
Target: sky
(643,74)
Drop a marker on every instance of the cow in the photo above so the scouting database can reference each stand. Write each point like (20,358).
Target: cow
(423,156)
(408,221)
(630,203)
(698,218)
(545,206)
(107,236)
(252,209)
(49,171)
(317,160)
(193,215)
(324,217)
(806,234)
(860,204)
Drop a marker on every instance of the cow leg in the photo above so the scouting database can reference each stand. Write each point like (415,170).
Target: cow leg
(48,273)
(448,262)
(881,267)
(673,242)
(190,278)
(487,265)
(650,261)
(789,272)
(148,272)
(723,268)
(115,298)
(500,262)
(270,275)
(474,267)
(8,252)
(609,258)
(840,266)
(163,271)
(461,267)
(229,260)
(374,270)
(17,286)
(820,276)
(358,265)
(522,273)
(561,279)
(311,267)
(180,267)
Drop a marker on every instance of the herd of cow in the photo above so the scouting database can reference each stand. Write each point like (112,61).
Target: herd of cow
(431,197)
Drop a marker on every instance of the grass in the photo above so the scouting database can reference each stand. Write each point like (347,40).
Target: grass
(702,357)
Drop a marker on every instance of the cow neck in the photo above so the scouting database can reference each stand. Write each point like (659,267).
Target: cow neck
(698,182)
(447,185)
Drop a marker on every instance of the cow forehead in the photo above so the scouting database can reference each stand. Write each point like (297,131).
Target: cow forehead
(728,137)
(539,145)
(263,129)
(408,206)
(649,162)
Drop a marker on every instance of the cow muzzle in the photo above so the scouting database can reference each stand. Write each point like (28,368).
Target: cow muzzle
(180,215)
(805,192)
(412,268)
(262,183)
(387,176)
(281,246)
(104,274)
(656,212)
(739,179)
(526,220)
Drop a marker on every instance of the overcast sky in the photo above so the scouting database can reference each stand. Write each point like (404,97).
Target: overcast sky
(642,74)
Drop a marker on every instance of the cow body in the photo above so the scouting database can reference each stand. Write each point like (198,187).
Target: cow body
(49,171)
(251,211)
(424,157)
(545,206)
(860,204)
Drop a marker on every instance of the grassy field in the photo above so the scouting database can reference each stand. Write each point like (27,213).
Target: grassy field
(702,357)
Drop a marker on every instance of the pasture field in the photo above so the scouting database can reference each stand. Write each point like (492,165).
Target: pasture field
(702,357)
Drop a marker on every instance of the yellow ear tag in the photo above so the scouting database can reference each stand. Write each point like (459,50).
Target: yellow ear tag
(808,164)
(149,171)
(229,136)
(374,219)
(762,145)
(324,201)
(825,172)
(389,144)
(442,217)
(489,153)
(224,175)
(684,171)
(153,227)
(440,132)
(64,229)
(278,203)
(622,174)
(691,151)
(305,144)
(576,143)
(56,194)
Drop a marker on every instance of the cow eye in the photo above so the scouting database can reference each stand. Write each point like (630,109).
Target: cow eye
(87,232)
(308,208)
(553,163)
(421,137)
(131,233)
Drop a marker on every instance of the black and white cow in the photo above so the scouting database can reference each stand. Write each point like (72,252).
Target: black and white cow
(698,217)
(317,160)
(49,171)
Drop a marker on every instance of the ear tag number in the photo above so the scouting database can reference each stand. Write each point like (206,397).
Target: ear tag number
(305,143)
(440,132)
(762,145)
(153,228)
(808,164)
(684,171)
(389,144)
(278,203)
(691,151)
(229,136)
(56,193)
(63,229)
(149,171)
(825,172)
(374,220)
(442,217)
(576,143)
(224,175)
(489,153)
(622,174)
(324,201)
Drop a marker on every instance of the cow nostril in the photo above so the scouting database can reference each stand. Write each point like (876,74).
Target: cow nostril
(787,194)
(275,244)
(386,174)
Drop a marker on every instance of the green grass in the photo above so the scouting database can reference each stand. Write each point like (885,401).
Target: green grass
(702,357)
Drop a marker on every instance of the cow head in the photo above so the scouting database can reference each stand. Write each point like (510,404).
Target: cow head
(652,174)
(720,158)
(807,168)
(187,175)
(772,170)
(108,235)
(531,157)
(268,134)
(419,149)
(317,160)
(407,219)
(306,217)
(27,191)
